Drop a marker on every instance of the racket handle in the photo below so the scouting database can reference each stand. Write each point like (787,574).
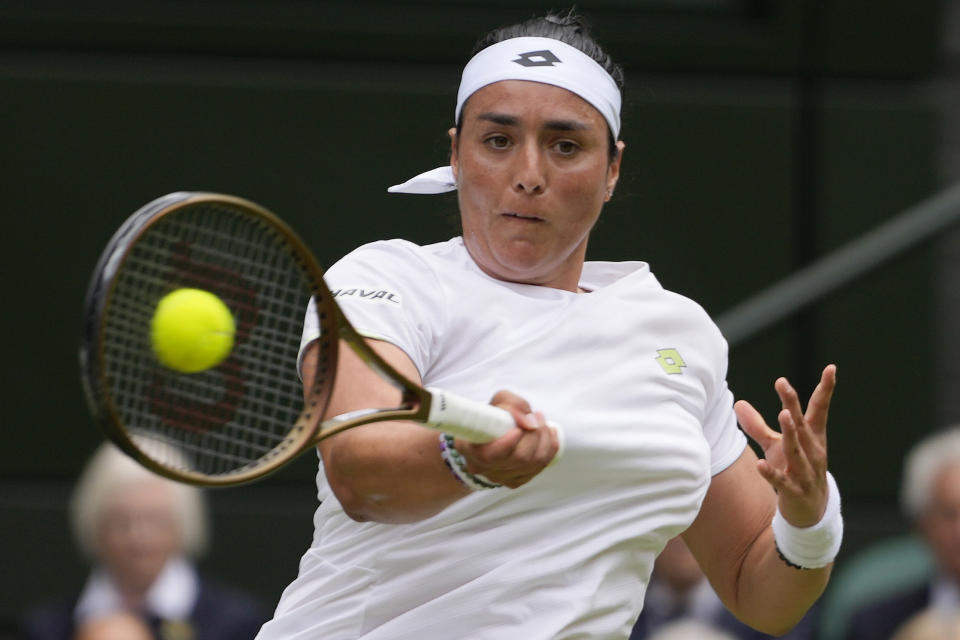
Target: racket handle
(475,421)
(468,419)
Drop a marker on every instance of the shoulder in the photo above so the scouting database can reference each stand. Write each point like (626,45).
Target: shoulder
(399,251)
(398,263)
(685,307)
(672,313)
(631,289)
(636,279)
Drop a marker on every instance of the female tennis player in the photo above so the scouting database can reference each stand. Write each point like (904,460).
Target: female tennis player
(626,433)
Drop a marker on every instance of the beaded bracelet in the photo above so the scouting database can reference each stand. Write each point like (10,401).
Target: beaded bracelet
(815,546)
(458,466)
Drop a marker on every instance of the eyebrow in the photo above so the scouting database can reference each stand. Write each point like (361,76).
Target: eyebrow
(512,121)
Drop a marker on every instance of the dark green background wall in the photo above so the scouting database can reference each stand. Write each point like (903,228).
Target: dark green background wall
(760,135)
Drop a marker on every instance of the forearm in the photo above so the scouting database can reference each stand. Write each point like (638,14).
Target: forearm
(383,471)
(396,472)
(776,557)
(389,472)
(733,541)
(770,595)
(800,524)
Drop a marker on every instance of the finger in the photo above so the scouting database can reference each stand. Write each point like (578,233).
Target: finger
(525,453)
(754,425)
(814,451)
(811,426)
(819,406)
(548,446)
(533,452)
(773,476)
(800,442)
(797,464)
(532,420)
(555,439)
(789,400)
(518,407)
(504,398)
(790,418)
(516,449)
(780,479)
(485,454)
(526,461)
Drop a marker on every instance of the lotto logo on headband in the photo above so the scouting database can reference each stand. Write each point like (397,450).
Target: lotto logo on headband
(544,58)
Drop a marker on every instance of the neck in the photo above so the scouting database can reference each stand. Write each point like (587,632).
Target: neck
(133,590)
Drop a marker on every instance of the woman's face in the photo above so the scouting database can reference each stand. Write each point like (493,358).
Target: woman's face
(533,171)
(138,533)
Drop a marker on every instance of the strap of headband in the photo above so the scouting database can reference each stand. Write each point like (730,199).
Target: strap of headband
(439,180)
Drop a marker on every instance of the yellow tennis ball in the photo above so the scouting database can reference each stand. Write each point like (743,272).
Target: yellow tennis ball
(192,330)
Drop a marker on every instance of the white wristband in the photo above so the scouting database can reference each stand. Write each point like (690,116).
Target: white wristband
(815,546)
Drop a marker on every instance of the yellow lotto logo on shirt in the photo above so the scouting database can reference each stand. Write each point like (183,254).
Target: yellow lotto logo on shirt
(670,360)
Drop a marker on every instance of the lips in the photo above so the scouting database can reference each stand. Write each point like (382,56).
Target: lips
(522,216)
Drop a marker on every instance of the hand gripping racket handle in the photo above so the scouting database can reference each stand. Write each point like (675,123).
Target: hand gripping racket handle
(473,421)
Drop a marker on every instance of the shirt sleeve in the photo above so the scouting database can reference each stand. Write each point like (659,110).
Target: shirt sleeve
(387,292)
(720,426)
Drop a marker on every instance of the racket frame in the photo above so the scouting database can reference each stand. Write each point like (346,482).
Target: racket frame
(309,428)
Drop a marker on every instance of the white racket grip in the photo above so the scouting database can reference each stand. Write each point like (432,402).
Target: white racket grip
(474,421)
(468,419)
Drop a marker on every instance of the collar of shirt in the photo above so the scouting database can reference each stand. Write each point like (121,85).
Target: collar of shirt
(171,596)
(944,594)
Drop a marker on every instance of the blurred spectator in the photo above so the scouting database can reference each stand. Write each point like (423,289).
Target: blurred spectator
(930,497)
(141,534)
(690,630)
(931,624)
(120,625)
(679,592)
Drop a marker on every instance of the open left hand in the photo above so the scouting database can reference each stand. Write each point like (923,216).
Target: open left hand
(795,460)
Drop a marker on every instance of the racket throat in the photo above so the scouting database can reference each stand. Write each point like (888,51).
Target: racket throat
(412,401)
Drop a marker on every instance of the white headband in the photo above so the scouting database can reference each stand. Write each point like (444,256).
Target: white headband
(529,58)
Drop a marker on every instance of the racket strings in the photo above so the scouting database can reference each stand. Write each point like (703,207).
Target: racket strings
(239,414)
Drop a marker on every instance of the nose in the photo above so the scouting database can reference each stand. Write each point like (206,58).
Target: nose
(530,173)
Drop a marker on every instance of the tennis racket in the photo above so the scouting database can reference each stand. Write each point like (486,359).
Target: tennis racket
(249,414)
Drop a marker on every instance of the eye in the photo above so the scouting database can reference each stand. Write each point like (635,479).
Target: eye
(497,142)
(566,147)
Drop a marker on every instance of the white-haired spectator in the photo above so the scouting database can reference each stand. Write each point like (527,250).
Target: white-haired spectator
(690,630)
(931,624)
(142,535)
(930,497)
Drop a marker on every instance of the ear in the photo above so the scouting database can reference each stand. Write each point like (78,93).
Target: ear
(613,171)
(454,160)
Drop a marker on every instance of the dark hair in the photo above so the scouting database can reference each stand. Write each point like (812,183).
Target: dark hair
(568,28)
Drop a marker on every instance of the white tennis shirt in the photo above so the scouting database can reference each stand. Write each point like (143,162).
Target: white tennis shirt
(636,376)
